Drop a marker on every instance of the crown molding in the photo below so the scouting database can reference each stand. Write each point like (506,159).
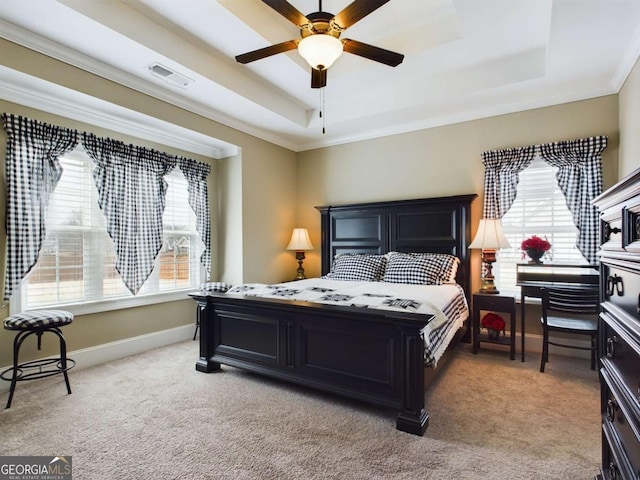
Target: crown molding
(35,42)
(627,63)
(67,55)
(18,87)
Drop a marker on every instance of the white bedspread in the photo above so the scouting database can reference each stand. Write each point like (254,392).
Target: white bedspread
(446,302)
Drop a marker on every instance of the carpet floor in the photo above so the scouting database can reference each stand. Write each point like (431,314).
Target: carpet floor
(153,416)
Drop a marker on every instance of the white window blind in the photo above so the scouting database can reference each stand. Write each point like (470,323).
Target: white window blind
(77,261)
(539,209)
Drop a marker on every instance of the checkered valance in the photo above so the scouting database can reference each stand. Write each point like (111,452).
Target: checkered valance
(32,174)
(196,174)
(501,169)
(579,177)
(132,196)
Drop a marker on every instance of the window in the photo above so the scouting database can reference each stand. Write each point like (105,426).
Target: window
(539,209)
(77,260)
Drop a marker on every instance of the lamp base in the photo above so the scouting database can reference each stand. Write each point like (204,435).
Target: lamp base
(300,272)
(488,287)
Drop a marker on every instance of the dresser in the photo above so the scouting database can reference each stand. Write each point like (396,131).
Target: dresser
(619,328)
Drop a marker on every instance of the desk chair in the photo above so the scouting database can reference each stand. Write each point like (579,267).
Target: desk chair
(569,311)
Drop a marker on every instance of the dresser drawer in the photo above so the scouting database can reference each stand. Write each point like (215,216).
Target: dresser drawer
(621,354)
(620,227)
(615,464)
(611,229)
(494,303)
(622,287)
(619,417)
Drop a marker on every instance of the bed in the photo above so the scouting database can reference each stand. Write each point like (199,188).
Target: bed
(374,355)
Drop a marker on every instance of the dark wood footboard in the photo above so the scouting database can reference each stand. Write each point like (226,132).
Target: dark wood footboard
(376,357)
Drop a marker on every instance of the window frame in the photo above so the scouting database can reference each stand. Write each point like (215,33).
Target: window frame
(514,254)
(82,307)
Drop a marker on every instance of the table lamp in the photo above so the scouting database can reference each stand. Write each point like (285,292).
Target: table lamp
(300,242)
(489,238)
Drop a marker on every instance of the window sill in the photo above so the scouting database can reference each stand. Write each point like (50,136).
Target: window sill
(122,303)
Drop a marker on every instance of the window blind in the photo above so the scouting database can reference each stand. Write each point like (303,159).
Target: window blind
(77,261)
(539,209)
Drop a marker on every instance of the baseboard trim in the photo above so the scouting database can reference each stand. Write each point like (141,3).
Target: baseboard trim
(108,352)
(533,346)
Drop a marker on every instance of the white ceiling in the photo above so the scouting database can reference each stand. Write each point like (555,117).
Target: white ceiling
(464,59)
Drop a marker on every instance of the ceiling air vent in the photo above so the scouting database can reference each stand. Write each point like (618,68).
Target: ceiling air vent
(170,76)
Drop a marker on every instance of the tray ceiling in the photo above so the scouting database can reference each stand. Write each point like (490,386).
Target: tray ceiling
(464,59)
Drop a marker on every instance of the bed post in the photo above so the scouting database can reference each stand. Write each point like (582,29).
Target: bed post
(207,336)
(413,417)
(325,240)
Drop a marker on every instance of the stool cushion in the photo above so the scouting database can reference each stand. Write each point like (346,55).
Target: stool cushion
(34,319)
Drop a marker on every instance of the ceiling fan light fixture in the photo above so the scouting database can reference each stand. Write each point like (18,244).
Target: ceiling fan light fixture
(320,50)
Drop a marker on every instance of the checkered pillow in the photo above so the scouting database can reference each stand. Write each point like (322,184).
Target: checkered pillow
(421,268)
(358,267)
(214,287)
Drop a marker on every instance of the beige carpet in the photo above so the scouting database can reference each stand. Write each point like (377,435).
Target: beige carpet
(152,416)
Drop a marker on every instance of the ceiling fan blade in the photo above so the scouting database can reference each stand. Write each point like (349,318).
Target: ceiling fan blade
(318,78)
(288,11)
(267,51)
(356,11)
(376,54)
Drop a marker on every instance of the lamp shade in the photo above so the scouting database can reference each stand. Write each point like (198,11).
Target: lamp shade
(300,240)
(490,235)
(320,50)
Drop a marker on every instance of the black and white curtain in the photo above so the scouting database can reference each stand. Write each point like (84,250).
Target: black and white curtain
(132,196)
(579,177)
(501,169)
(131,191)
(33,171)
(196,174)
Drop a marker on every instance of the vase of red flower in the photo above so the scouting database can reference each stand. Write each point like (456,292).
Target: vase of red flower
(535,248)
(494,324)
(535,255)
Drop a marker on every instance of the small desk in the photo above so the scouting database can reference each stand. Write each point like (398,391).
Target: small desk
(494,303)
(531,277)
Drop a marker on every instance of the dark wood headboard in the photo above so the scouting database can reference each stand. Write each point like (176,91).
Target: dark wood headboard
(435,225)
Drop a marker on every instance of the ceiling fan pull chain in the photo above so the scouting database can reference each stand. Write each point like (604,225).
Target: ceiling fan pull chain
(322,109)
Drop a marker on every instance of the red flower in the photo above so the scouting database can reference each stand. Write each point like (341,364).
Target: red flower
(535,243)
(492,321)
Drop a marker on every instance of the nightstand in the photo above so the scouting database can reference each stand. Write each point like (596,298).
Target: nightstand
(498,304)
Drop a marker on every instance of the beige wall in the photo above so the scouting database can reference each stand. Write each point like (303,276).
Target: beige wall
(252,202)
(258,196)
(441,161)
(629,99)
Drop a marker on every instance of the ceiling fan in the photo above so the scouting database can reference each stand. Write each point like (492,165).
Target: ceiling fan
(320,44)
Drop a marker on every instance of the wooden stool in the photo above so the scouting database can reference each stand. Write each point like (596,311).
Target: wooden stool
(37,322)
